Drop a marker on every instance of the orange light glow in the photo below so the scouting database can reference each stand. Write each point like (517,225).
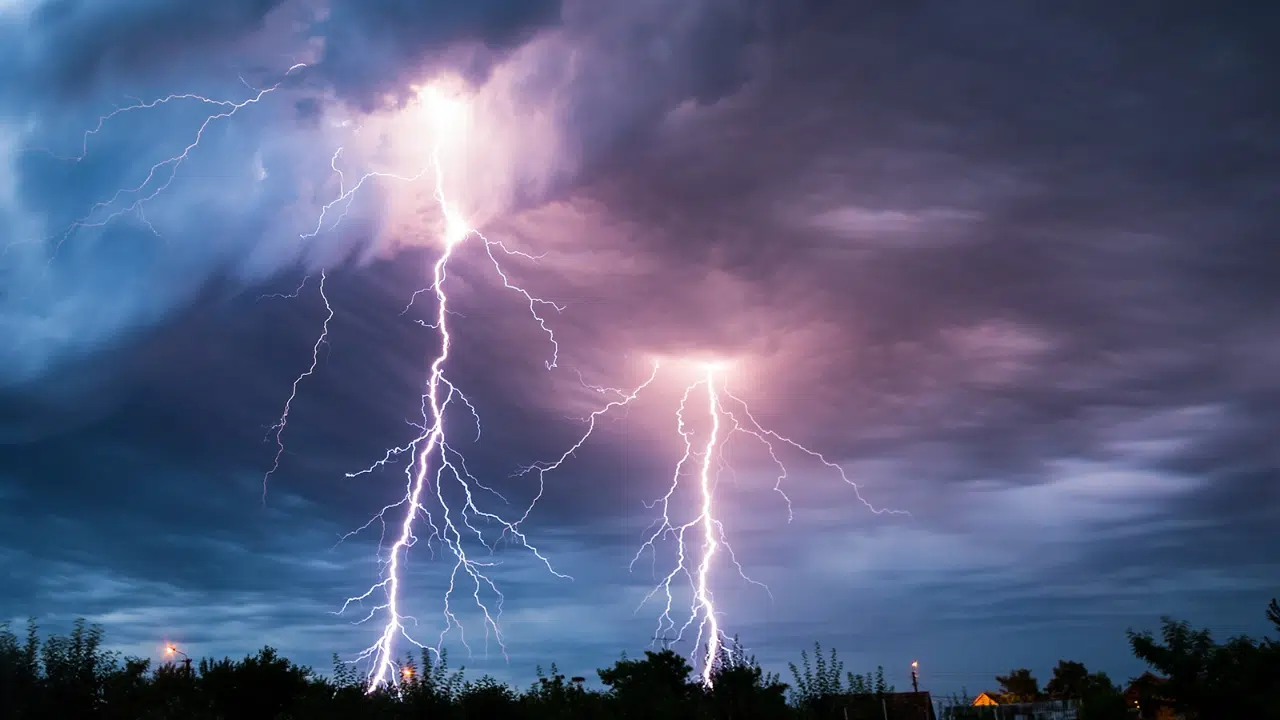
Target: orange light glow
(407,672)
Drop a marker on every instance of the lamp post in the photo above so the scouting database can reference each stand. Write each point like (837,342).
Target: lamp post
(915,677)
(186,659)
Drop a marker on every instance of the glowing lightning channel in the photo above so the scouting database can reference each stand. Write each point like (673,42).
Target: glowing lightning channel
(278,427)
(729,415)
(164,171)
(431,445)
(710,530)
(705,524)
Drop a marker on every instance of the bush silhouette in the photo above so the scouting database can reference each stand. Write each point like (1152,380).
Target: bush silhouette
(73,677)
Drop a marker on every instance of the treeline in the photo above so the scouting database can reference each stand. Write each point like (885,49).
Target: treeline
(73,676)
(1192,677)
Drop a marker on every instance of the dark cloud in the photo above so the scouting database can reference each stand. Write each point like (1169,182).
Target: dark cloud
(372,50)
(1011,266)
(69,47)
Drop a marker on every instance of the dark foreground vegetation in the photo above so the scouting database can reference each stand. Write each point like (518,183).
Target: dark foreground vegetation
(71,677)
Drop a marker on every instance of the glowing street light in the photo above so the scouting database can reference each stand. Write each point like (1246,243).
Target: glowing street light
(186,659)
(915,684)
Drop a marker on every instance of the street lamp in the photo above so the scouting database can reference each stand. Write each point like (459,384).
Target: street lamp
(915,684)
(186,659)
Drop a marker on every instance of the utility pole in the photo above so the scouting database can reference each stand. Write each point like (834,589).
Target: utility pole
(915,677)
(186,659)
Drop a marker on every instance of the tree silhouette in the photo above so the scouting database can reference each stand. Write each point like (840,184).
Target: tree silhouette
(551,698)
(869,684)
(819,681)
(74,677)
(20,685)
(1239,678)
(657,686)
(263,686)
(1019,686)
(823,689)
(487,698)
(1068,680)
(1099,698)
(742,690)
(429,687)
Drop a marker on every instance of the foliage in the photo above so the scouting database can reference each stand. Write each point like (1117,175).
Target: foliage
(1068,680)
(73,677)
(657,686)
(1204,679)
(826,677)
(822,686)
(741,689)
(1099,697)
(1019,686)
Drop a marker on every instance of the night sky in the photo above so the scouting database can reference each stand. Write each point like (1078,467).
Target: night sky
(1012,265)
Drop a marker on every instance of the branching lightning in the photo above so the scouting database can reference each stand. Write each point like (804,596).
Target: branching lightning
(159,176)
(435,463)
(278,428)
(701,541)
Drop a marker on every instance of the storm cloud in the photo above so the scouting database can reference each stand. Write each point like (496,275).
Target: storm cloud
(1011,266)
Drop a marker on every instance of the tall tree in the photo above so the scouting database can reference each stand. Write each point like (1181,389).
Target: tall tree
(1101,699)
(1068,680)
(1239,678)
(20,685)
(657,686)
(869,683)
(817,679)
(1183,657)
(742,690)
(1019,686)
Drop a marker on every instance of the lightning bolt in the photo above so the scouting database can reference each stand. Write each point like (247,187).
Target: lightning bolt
(132,199)
(435,464)
(436,473)
(703,536)
(702,609)
(278,427)
(701,541)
